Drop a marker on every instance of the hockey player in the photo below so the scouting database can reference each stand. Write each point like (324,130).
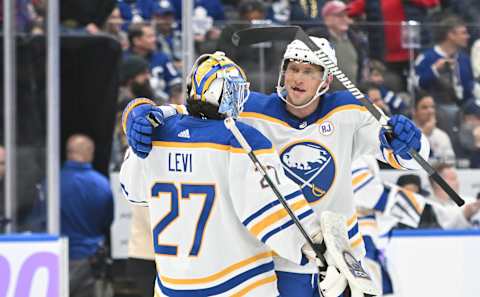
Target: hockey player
(317,135)
(381,206)
(212,234)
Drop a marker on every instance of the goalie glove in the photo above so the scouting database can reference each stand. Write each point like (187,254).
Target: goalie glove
(342,273)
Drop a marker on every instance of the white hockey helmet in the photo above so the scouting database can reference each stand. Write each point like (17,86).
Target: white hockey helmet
(297,51)
(217,80)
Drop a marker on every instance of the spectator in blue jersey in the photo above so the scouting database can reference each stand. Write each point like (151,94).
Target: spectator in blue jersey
(169,37)
(165,79)
(445,70)
(86,212)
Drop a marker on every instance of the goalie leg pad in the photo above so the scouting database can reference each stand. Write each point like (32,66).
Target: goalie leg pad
(340,254)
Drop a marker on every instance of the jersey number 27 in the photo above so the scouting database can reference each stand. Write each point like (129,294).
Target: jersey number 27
(187,192)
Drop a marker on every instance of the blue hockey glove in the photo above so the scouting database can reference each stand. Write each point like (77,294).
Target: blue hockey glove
(139,119)
(405,136)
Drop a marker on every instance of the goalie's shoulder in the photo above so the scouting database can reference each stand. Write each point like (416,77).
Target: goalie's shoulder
(257,141)
(199,133)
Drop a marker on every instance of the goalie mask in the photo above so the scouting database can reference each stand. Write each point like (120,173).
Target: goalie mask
(298,52)
(217,81)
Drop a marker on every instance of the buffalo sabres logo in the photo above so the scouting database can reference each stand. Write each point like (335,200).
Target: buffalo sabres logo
(311,166)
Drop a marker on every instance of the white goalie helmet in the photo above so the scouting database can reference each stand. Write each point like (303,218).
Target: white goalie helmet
(217,80)
(298,51)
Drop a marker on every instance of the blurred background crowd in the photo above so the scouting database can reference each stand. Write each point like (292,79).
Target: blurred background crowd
(420,58)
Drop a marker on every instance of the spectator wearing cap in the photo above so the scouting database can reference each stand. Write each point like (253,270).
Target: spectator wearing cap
(165,79)
(348,47)
(424,115)
(469,137)
(169,37)
(134,79)
(134,83)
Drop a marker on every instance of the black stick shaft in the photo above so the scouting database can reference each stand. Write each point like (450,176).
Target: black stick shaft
(282,200)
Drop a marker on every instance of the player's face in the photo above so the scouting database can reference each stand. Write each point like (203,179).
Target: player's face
(302,81)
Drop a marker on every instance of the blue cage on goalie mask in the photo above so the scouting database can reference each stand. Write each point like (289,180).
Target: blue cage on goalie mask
(217,80)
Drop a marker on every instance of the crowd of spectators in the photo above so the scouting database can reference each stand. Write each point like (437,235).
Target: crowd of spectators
(368,35)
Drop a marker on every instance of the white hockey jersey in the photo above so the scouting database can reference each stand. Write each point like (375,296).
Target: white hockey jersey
(381,205)
(215,221)
(317,152)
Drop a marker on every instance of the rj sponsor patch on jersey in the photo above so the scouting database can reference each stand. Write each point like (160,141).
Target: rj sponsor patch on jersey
(311,166)
(326,128)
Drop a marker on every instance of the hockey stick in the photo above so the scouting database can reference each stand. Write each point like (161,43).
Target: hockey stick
(263,34)
(317,248)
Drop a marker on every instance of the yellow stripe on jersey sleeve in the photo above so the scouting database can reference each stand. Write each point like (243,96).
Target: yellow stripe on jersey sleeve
(275,217)
(359,178)
(351,221)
